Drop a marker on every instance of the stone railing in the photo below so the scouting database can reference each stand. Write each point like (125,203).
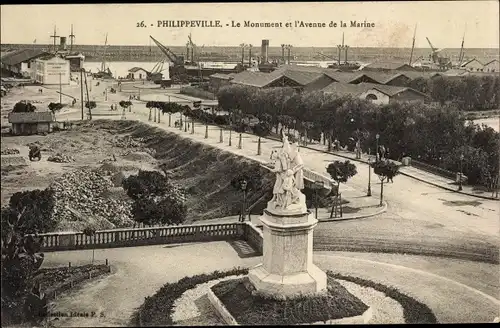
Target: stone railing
(253,237)
(142,236)
(433,169)
(64,241)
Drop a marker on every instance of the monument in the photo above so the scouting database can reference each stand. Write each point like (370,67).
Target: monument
(287,269)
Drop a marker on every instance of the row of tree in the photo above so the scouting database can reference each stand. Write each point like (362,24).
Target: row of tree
(436,135)
(470,93)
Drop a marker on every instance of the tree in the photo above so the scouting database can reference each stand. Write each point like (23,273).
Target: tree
(386,170)
(262,129)
(23,107)
(37,206)
(156,200)
(440,89)
(341,172)
(90,105)
(150,105)
(22,300)
(55,107)
(127,104)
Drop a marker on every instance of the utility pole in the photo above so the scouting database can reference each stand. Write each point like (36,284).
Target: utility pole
(54,37)
(341,47)
(60,89)
(71,38)
(250,55)
(413,44)
(242,53)
(283,53)
(81,88)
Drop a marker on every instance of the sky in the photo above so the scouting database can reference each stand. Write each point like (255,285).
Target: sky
(443,22)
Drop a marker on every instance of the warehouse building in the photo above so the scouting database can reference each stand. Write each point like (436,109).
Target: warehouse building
(20,62)
(137,73)
(377,93)
(52,70)
(28,123)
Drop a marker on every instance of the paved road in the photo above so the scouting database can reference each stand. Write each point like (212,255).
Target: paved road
(408,198)
(418,214)
(140,271)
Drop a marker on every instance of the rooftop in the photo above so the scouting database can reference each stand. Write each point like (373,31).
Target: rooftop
(389,65)
(343,89)
(256,79)
(31,117)
(136,69)
(20,56)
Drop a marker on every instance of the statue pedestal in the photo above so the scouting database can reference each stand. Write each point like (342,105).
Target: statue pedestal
(287,268)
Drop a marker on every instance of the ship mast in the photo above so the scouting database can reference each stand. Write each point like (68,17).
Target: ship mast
(54,36)
(103,65)
(461,56)
(71,38)
(413,44)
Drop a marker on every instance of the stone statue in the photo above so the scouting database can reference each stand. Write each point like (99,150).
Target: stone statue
(288,167)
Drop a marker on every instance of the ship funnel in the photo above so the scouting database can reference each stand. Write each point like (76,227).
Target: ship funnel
(62,44)
(264,51)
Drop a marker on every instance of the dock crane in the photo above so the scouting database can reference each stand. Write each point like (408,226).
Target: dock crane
(443,62)
(178,70)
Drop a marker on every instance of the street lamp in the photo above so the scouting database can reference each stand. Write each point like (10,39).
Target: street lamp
(460,175)
(243,186)
(376,148)
(317,186)
(369,193)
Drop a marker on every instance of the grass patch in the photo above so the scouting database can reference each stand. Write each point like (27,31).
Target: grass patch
(157,310)
(50,278)
(413,310)
(248,309)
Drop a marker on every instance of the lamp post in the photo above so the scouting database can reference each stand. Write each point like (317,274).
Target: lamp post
(369,193)
(243,205)
(377,136)
(460,175)
(316,186)
(192,125)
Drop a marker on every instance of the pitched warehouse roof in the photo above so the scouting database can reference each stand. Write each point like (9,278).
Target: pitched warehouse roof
(256,79)
(388,65)
(136,69)
(342,89)
(20,56)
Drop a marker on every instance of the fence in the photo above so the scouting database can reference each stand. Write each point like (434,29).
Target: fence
(151,236)
(141,236)
(199,93)
(433,169)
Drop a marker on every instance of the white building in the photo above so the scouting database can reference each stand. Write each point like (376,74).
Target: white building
(21,62)
(55,70)
(137,73)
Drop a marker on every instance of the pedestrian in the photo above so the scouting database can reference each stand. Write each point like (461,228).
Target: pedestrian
(111,107)
(386,154)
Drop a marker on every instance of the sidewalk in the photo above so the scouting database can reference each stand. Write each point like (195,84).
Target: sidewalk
(412,172)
